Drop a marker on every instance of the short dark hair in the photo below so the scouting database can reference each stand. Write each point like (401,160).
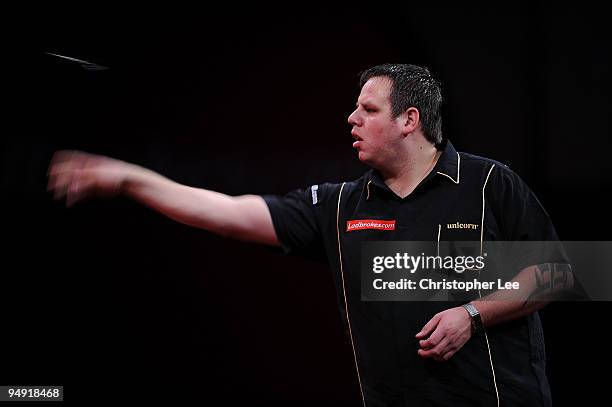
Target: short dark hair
(412,86)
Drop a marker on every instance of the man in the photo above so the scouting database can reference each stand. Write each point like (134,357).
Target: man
(406,353)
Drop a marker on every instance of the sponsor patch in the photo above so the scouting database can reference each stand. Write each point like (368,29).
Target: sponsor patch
(315,196)
(361,224)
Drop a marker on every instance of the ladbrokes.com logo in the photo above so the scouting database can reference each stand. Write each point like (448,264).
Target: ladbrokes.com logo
(360,224)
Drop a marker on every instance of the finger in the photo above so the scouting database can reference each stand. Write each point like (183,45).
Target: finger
(59,183)
(82,187)
(449,354)
(59,175)
(428,354)
(72,194)
(62,171)
(67,159)
(426,344)
(429,327)
(436,337)
(59,186)
(58,158)
(74,189)
(435,352)
(61,168)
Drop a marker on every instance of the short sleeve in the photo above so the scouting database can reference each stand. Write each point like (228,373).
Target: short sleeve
(299,219)
(519,213)
(522,218)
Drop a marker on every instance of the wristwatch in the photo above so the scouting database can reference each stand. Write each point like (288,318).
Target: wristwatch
(477,326)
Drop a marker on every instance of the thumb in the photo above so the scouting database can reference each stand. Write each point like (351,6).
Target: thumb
(429,327)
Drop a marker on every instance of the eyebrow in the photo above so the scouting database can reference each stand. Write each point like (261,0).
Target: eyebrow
(366,103)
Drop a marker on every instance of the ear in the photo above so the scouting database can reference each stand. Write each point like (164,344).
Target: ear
(410,120)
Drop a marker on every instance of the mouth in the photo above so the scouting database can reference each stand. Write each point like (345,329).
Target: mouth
(358,140)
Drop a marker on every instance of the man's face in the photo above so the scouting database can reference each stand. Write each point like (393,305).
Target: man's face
(377,133)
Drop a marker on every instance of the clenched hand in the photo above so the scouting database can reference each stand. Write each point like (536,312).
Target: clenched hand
(77,175)
(446,333)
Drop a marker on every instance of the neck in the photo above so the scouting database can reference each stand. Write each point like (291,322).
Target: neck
(417,160)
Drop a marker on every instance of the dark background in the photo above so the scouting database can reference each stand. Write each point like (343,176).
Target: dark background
(114,301)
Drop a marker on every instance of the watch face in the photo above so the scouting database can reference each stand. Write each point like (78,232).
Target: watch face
(475,318)
(471,310)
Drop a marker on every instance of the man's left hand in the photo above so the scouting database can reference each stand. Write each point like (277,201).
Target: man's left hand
(445,334)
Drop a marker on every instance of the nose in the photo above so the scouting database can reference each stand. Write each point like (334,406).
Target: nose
(353,118)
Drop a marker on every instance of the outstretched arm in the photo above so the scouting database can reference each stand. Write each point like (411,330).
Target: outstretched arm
(77,175)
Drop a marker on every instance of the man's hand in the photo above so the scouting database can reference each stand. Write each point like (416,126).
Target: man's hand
(446,333)
(77,175)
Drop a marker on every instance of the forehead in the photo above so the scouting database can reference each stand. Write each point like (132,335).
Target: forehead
(376,90)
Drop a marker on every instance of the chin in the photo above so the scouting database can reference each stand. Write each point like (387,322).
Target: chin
(365,158)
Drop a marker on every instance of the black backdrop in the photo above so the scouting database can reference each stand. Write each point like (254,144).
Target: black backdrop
(114,301)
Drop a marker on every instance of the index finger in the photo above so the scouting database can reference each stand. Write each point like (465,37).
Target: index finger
(429,327)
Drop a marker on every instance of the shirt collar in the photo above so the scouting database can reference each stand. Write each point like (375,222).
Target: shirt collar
(447,167)
(449,163)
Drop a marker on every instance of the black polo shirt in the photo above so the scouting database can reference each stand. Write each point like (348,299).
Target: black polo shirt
(508,362)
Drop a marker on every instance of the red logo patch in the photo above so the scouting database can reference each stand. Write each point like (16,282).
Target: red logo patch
(361,224)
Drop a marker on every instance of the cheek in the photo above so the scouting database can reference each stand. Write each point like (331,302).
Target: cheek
(376,127)
(385,133)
